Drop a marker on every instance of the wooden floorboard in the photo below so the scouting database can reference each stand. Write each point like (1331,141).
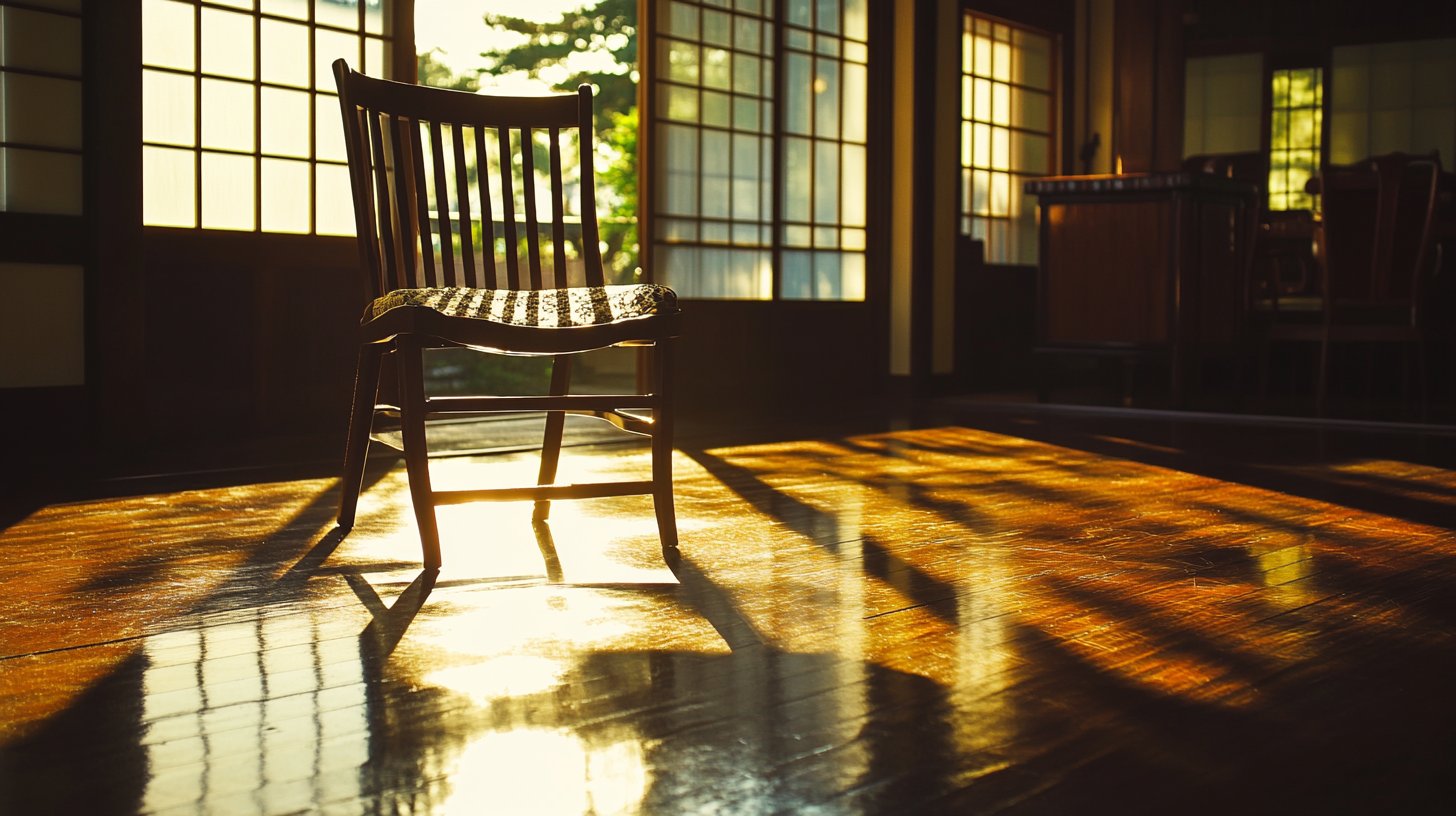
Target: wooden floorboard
(985,611)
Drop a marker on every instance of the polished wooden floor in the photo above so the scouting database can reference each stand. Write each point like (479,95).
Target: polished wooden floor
(956,609)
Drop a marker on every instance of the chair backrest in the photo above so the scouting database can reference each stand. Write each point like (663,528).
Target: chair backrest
(413,151)
(1379,218)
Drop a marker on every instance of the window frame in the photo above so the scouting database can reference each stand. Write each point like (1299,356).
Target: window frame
(389,36)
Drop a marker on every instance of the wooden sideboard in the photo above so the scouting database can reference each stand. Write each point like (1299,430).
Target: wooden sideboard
(1143,266)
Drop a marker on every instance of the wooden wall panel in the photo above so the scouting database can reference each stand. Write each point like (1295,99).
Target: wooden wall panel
(1108,281)
(1148,86)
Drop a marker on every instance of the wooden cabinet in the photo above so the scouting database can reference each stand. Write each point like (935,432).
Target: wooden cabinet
(1143,266)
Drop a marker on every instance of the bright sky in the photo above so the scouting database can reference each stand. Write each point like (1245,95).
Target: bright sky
(456,28)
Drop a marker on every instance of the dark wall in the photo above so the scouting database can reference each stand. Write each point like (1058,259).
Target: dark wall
(1294,24)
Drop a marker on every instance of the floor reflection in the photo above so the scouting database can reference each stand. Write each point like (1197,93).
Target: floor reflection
(944,620)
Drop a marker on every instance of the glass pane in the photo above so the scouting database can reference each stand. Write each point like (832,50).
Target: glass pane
(745,74)
(826,276)
(853,184)
(746,35)
(227,115)
(169,108)
(801,13)
(800,40)
(246,5)
(1029,153)
(1031,110)
(826,237)
(765,187)
(851,276)
(852,238)
(681,61)
(717,109)
(227,191)
(749,6)
(797,104)
(715,232)
(982,101)
(1031,61)
(285,195)
(797,280)
(285,123)
(168,196)
(981,192)
(715,160)
(42,111)
(1001,59)
(745,234)
(856,52)
(745,114)
(797,178)
(678,102)
(168,31)
(1301,128)
(375,20)
(678,268)
(335,212)
(717,69)
(1000,194)
(41,42)
(682,21)
(1000,104)
(1279,137)
(374,59)
(826,16)
(857,19)
(340,13)
(227,43)
(679,190)
(983,56)
(41,181)
(285,54)
(671,229)
(330,129)
(856,102)
(826,98)
(329,46)
(745,177)
(297,9)
(981,145)
(1000,149)
(826,182)
(717,28)
(827,45)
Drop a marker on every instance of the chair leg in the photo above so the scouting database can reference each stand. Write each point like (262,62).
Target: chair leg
(662,429)
(416,450)
(555,424)
(361,421)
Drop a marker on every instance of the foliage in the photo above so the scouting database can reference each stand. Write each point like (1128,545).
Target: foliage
(608,27)
(437,74)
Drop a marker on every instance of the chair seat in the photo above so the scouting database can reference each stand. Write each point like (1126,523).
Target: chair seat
(545,308)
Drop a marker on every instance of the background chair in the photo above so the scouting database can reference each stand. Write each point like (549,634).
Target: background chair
(434,282)
(1377,253)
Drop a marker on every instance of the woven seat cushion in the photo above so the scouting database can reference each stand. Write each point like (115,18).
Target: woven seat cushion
(545,308)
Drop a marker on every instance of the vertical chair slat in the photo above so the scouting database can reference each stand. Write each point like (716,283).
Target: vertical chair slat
(558,208)
(358,148)
(422,202)
(392,278)
(508,215)
(528,189)
(442,208)
(402,185)
(487,219)
(462,194)
(591,246)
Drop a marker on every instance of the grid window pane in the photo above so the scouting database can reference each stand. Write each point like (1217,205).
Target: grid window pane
(1294,136)
(264,125)
(1006,138)
(227,191)
(169,34)
(227,43)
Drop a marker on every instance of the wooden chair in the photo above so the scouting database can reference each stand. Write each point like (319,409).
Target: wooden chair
(1376,250)
(432,285)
